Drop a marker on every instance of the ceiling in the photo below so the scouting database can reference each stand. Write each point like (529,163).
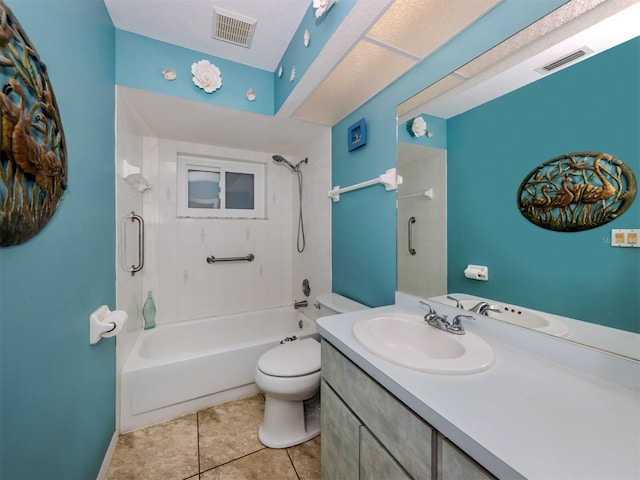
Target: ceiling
(377,42)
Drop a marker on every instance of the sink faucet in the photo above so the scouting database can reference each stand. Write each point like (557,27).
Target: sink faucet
(441,322)
(300,304)
(483,308)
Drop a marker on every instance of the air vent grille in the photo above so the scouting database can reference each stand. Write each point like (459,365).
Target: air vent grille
(233,28)
(560,62)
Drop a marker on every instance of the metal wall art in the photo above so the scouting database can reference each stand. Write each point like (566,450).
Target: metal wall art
(33,167)
(577,191)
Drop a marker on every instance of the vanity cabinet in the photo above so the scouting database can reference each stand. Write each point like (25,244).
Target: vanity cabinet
(368,433)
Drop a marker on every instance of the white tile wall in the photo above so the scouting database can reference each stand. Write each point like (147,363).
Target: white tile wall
(423,274)
(184,285)
(314,263)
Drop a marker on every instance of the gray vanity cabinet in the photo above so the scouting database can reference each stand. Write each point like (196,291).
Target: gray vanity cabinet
(369,434)
(350,397)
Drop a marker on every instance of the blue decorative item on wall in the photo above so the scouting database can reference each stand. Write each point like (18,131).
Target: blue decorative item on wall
(357,135)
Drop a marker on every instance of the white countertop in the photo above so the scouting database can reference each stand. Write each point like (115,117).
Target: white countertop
(527,416)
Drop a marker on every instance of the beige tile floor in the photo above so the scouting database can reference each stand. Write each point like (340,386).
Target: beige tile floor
(218,443)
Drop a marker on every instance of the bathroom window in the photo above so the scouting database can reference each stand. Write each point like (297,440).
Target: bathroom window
(215,188)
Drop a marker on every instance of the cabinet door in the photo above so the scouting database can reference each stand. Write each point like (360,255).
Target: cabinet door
(406,436)
(454,464)
(376,462)
(340,445)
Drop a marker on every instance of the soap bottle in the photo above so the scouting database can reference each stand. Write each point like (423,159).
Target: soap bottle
(149,312)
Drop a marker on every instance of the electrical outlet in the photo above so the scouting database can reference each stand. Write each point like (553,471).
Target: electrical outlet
(629,237)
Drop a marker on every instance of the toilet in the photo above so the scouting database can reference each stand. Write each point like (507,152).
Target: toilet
(289,376)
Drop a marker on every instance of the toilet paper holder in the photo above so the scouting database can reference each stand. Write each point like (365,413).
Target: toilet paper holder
(477,272)
(105,323)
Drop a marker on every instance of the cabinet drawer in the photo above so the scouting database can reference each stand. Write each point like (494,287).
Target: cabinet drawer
(405,435)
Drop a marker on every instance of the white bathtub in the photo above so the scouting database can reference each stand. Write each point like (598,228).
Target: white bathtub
(186,366)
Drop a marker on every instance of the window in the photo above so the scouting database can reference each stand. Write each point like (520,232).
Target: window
(214,188)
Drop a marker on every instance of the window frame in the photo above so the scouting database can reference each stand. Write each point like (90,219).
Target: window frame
(186,162)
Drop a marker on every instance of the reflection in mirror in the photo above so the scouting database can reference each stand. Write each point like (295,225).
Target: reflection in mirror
(422,220)
(574,279)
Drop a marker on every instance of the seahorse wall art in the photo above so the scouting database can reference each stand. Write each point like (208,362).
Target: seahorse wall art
(33,166)
(577,191)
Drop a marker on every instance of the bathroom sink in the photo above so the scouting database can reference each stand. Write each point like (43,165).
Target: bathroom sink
(517,316)
(407,340)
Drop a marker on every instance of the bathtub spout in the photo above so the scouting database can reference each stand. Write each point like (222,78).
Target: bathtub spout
(300,304)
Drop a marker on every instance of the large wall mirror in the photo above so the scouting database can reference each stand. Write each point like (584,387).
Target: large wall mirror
(505,114)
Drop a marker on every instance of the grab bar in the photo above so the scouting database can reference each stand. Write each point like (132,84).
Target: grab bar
(412,250)
(134,268)
(248,258)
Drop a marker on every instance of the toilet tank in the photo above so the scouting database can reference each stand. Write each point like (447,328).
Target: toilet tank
(332,304)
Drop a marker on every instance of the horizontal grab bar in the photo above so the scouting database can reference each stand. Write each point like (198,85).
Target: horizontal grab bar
(248,258)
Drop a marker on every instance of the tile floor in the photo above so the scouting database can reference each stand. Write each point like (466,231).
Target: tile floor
(217,443)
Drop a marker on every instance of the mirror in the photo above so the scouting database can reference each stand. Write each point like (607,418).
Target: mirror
(574,286)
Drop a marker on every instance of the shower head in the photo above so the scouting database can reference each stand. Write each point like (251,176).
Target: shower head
(281,159)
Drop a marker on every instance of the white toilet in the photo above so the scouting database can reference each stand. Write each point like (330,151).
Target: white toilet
(289,375)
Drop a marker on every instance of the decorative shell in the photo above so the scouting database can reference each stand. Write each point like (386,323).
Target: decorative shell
(169,74)
(418,127)
(307,37)
(292,77)
(280,70)
(206,76)
(251,95)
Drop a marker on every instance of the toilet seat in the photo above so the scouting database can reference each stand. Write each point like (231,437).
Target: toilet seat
(294,359)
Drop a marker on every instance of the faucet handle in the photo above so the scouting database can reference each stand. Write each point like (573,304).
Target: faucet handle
(458,304)
(431,310)
(458,319)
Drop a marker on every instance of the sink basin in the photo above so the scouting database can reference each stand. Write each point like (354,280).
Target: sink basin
(518,316)
(407,340)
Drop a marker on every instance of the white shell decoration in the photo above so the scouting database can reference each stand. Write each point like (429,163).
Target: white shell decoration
(206,76)
(418,127)
(292,77)
(169,74)
(307,37)
(322,6)
(280,71)
(251,95)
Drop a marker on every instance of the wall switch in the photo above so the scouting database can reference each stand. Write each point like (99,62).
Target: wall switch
(629,237)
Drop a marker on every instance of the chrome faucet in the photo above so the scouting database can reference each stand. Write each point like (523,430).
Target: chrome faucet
(300,304)
(441,322)
(483,308)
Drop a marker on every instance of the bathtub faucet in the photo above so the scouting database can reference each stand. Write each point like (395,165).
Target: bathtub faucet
(300,304)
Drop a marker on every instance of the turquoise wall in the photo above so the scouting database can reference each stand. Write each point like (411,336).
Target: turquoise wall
(57,393)
(364,221)
(591,106)
(141,61)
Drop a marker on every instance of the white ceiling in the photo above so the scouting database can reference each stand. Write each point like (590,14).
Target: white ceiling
(189,24)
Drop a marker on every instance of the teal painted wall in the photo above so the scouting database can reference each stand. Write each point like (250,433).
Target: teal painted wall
(364,221)
(591,106)
(141,61)
(57,393)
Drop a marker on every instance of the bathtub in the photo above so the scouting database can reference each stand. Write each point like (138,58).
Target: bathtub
(183,367)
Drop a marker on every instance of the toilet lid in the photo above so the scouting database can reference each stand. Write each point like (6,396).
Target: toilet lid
(300,357)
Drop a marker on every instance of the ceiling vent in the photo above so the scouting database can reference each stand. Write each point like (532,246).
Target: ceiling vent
(567,59)
(233,28)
